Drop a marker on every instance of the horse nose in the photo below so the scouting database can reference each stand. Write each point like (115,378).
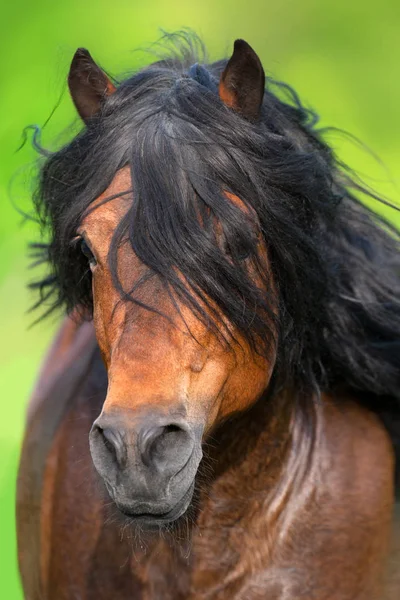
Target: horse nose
(148,446)
(165,448)
(113,440)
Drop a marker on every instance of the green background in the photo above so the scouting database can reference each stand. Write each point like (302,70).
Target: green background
(342,57)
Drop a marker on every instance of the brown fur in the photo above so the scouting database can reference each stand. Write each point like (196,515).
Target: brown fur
(287,506)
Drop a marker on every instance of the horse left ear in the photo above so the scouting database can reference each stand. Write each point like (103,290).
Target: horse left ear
(88,84)
(242,83)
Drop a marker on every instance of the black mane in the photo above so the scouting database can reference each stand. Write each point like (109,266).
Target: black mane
(335,262)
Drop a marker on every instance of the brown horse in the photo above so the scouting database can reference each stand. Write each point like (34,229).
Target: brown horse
(214,432)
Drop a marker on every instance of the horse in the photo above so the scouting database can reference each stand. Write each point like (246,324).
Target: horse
(216,418)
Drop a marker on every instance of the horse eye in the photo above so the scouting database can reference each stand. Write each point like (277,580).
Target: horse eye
(241,251)
(88,253)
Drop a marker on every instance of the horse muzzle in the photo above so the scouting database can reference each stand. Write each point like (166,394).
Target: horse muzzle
(148,462)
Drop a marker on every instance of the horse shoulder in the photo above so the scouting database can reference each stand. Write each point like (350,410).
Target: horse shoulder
(334,532)
(373,473)
(350,515)
(67,361)
(356,456)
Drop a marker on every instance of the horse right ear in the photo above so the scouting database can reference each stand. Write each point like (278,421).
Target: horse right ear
(242,83)
(88,84)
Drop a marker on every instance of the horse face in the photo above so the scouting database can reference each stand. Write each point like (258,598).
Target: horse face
(171,380)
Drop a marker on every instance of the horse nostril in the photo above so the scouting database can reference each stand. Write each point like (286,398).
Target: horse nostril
(114,444)
(167,446)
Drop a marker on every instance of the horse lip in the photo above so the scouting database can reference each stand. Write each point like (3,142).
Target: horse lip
(161,517)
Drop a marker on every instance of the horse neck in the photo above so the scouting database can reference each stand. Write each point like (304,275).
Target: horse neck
(269,431)
(266,452)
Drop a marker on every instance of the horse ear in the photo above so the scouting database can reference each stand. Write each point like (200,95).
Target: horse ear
(242,83)
(88,84)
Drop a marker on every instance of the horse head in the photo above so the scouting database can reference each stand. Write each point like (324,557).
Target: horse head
(177,364)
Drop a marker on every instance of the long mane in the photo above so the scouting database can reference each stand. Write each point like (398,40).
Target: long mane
(335,262)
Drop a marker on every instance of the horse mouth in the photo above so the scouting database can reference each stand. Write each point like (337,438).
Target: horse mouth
(157,519)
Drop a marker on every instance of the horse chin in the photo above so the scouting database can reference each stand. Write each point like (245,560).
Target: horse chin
(153,519)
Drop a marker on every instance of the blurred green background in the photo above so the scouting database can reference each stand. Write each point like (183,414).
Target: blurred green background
(342,57)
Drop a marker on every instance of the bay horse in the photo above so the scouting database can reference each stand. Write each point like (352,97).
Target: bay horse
(212,421)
